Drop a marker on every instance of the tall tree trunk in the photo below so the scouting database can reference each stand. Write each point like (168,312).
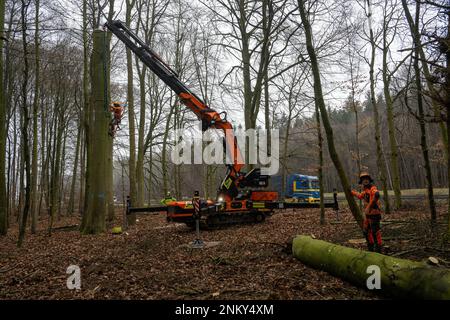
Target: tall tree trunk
(85,111)
(44,158)
(82,181)
(319,100)
(447,236)
(87,107)
(97,197)
(391,123)
(70,206)
(423,139)
(320,169)
(21,173)
(34,161)
(284,170)
(141,135)
(25,124)
(131,118)
(55,189)
(164,164)
(426,73)
(62,165)
(150,177)
(110,177)
(266,91)
(414,28)
(381,164)
(447,108)
(110,140)
(3,186)
(252,96)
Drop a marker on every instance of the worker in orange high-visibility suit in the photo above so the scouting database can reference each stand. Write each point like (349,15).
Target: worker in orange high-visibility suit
(117,109)
(372,210)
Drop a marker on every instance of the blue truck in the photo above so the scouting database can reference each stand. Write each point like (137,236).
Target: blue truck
(298,188)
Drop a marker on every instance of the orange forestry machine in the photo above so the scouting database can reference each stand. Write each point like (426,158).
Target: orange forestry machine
(241,196)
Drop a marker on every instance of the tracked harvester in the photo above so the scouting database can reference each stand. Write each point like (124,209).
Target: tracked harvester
(242,197)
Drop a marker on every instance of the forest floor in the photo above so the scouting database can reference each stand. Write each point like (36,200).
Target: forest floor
(151,261)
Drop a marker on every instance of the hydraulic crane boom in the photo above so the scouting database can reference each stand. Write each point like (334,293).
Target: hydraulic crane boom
(240,197)
(209,117)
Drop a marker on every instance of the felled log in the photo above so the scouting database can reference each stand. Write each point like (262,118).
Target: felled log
(399,277)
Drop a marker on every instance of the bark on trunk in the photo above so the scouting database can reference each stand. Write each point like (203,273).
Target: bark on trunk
(24,130)
(398,277)
(131,219)
(320,169)
(319,100)
(390,121)
(97,198)
(3,198)
(71,205)
(34,161)
(381,164)
(414,28)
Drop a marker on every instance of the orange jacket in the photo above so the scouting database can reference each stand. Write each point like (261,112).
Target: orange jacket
(117,110)
(371,197)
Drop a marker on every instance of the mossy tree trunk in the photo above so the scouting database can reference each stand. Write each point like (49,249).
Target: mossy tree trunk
(99,150)
(398,277)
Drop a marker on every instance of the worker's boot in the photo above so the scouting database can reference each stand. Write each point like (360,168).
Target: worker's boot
(378,248)
(370,247)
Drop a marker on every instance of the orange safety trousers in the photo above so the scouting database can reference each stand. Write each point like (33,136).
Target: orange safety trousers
(372,230)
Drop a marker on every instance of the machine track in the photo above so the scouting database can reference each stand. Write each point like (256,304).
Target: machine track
(221,220)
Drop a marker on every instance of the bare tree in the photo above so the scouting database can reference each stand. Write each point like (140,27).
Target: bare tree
(251,32)
(381,164)
(390,23)
(319,100)
(25,123)
(414,28)
(3,126)
(34,162)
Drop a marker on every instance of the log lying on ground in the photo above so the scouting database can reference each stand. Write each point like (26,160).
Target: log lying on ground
(399,277)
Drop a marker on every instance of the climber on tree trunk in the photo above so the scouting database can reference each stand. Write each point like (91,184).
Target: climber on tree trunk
(117,108)
(372,210)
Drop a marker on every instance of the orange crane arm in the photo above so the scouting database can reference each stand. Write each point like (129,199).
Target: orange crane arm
(209,117)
